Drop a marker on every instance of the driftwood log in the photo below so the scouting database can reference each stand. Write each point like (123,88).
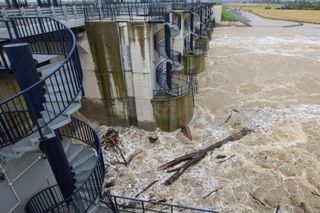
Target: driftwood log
(194,157)
(186,131)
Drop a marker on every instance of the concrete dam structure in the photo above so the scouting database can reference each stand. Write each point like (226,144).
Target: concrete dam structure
(145,61)
(136,66)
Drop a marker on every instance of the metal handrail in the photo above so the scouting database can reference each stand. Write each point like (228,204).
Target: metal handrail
(4,65)
(175,91)
(133,11)
(46,35)
(51,199)
(128,204)
(61,13)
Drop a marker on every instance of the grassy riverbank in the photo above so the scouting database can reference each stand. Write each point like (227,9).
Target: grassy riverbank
(226,15)
(272,11)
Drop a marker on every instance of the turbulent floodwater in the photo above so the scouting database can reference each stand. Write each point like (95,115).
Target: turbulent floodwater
(270,76)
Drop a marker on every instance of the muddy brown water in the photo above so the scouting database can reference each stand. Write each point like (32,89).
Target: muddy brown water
(270,75)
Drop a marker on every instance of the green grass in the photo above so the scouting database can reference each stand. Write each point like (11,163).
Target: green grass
(226,15)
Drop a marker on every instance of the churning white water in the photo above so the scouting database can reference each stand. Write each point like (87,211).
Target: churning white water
(268,78)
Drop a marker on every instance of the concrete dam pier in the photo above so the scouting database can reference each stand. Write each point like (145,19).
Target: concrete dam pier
(144,65)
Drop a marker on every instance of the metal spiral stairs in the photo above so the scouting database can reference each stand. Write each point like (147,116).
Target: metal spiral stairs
(43,111)
(173,58)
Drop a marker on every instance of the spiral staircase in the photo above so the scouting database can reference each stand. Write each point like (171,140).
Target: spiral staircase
(43,111)
(169,59)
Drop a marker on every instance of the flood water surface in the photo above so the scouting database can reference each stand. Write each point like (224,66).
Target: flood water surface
(267,78)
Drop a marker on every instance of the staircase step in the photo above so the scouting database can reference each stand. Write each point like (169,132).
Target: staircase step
(55,106)
(53,89)
(73,151)
(83,175)
(90,163)
(24,146)
(175,31)
(49,69)
(83,156)
(177,67)
(105,209)
(54,110)
(8,153)
(58,121)
(54,82)
(93,209)
(61,96)
(66,145)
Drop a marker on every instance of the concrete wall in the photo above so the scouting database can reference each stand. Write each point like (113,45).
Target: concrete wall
(178,41)
(143,79)
(33,180)
(93,106)
(123,68)
(194,63)
(8,87)
(202,44)
(105,48)
(173,113)
(120,80)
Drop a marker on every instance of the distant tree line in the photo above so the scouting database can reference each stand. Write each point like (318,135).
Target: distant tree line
(301,5)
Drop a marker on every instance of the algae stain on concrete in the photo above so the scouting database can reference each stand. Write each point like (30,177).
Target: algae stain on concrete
(9,87)
(104,43)
(138,32)
(194,63)
(173,113)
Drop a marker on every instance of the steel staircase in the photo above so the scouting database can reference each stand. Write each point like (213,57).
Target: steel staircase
(24,125)
(174,58)
(61,84)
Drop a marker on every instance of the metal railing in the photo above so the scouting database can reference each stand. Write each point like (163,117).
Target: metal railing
(60,13)
(4,64)
(46,36)
(51,199)
(180,87)
(131,11)
(127,204)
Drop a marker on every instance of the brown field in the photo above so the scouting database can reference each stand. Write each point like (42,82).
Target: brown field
(308,16)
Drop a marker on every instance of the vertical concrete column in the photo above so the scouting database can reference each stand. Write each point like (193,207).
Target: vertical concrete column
(128,72)
(143,60)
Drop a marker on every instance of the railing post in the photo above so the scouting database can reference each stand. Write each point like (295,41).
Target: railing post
(65,12)
(22,11)
(38,9)
(53,12)
(75,11)
(4,13)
